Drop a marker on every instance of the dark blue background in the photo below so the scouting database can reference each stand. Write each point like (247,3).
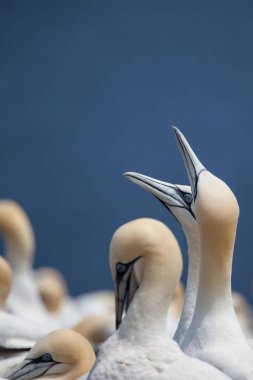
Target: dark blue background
(88,91)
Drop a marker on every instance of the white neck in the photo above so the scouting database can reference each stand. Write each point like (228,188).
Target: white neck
(18,260)
(147,314)
(214,317)
(191,286)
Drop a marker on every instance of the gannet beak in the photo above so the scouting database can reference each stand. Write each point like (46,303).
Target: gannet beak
(30,369)
(126,286)
(168,194)
(192,164)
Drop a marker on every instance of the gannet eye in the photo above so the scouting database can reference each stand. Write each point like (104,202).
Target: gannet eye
(188,198)
(46,358)
(121,268)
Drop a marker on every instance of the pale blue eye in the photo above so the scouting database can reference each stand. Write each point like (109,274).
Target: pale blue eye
(188,198)
(46,358)
(121,268)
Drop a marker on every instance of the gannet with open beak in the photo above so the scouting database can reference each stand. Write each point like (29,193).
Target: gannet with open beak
(177,199)
(146,265)
(62,354)
(214,334)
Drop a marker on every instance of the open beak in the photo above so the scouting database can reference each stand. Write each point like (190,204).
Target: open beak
(170,195)
(126,286)
(29,369)
(192,164)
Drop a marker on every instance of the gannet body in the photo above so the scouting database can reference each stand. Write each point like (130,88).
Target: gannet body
(214,334)
(16,334)
(146,265)
(96,328)
(62,354)
(19,243)
(98,302)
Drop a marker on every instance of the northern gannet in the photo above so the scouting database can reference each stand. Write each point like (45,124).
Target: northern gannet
(16,334)
(177,199)
(214,334)
(17,232)
(146,265)
(96,328)
(95,306)
(52,288)
(53,291)
(62,354)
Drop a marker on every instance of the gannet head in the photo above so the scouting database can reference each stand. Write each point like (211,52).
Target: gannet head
(52,288)
(131,246)
(62,354)
(214,204)
(17,233)
(176,198)
(5,281)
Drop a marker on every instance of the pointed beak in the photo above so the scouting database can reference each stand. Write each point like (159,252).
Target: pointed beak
(168,194)
(29,369)
(192,164)
(126,287)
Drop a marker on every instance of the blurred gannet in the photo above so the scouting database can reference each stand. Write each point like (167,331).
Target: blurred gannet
(62,354)
(97,302)
(19,243)
(214,334)
(51,287)
(95,306)
(146,265)
(96,328)
(53,291)
(16,334)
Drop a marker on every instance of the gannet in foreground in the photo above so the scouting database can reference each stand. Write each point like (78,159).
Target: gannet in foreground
(19,250)
(62,354)
(177,199)
(146,265)
(214,334)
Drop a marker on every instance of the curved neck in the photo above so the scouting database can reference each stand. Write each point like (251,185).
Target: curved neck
(19,261)
(193,243)
(147,314)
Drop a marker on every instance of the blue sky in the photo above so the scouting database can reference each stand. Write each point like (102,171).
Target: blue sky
(89,90)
